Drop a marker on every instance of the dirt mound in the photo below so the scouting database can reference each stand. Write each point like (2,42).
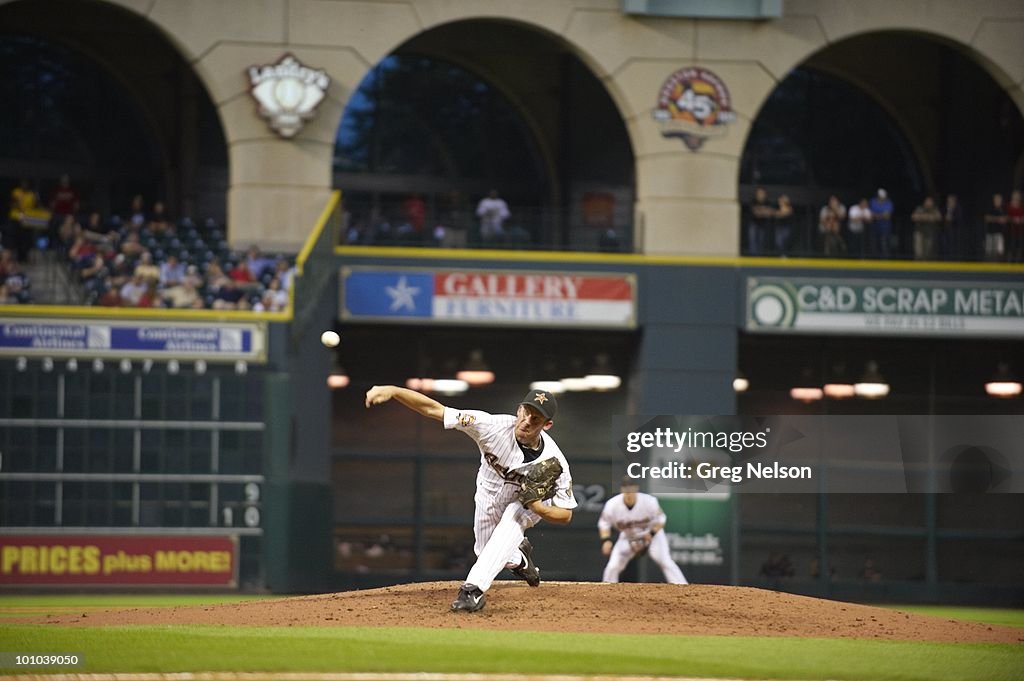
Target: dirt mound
(570,606)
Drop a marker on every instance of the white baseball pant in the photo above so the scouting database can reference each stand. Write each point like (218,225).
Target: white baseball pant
(622,553)
(498,536)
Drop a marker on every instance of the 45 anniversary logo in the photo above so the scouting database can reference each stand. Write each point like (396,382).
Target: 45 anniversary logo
(694,104)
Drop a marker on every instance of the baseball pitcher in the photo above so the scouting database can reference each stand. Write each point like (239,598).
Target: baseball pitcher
(639,519)
(523,478)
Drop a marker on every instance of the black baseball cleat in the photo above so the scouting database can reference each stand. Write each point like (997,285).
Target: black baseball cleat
(470,599)
(529,572)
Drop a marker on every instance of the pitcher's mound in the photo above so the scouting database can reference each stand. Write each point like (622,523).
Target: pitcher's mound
(695,610)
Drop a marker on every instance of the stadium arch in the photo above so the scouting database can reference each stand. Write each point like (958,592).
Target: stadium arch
(923,93)
(171,106)
(534,114)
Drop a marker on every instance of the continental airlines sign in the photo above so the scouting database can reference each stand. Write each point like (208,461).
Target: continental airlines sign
(884,307)
(506,298)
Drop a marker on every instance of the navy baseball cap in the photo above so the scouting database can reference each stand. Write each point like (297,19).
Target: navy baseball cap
(542,401)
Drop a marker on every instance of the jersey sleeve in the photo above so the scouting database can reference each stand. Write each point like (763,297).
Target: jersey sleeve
(606,520)
(472,422)
(563,496)
(659,515)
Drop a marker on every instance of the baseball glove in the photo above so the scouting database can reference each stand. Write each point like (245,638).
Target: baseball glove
(538,481)
(640,544)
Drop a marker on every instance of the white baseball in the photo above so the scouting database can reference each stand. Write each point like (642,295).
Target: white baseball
(330,339)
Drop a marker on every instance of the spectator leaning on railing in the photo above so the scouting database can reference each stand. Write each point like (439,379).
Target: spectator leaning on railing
(881,224)
(859,227)
(927,221)
(995,228)
(1015,220)
(830,226)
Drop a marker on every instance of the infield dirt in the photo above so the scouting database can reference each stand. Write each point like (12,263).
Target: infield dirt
(695,610)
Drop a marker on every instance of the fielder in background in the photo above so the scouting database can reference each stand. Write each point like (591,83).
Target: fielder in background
(523,478)
(639,519)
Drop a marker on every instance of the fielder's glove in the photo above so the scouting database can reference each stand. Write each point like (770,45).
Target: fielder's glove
(641,544)
(538,481)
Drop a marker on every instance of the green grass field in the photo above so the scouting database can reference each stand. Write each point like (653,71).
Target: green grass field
(219,648)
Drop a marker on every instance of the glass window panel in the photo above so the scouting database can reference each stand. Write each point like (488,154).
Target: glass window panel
(74,450)
(123,399)
(358,495)
(152,452)
(123,450)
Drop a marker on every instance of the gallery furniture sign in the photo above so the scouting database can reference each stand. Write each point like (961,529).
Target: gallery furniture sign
(509,298)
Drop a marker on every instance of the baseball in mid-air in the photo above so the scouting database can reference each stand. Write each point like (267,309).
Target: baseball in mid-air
(330,339)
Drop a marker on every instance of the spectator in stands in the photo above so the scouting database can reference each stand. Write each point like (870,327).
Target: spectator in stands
(241,274)
(274,299)
(26,219)
(14,283)
(67,232)
(111,295)
(1015,228)
(257,262)
(133,290)
(65,200)
(94,273)
(609,241)
(881,224)
(927,221)
(137,213)
(146,268)
(172,272)
(492,211)
(6,297)
(859,227)
(228,296)
(120,271)
(830,226)
(414,213)
(284,271)
(783,218)
(82,251)
(215,277)
(158,222)
(149,297)
(955,239)
(131,246)
(96,230)
(995,229)
(6,262)
(759,221)
(183,295)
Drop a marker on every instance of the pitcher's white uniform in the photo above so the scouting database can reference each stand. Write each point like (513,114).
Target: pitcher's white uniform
(500,521)
(635,524)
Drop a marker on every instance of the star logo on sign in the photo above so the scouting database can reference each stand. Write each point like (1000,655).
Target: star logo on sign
(402,295)
(540,397)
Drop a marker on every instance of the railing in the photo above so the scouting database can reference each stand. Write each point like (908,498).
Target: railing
(315,265)
(527,228)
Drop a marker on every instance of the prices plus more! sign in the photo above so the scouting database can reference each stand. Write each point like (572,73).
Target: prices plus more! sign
(118,560)
(508,298)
